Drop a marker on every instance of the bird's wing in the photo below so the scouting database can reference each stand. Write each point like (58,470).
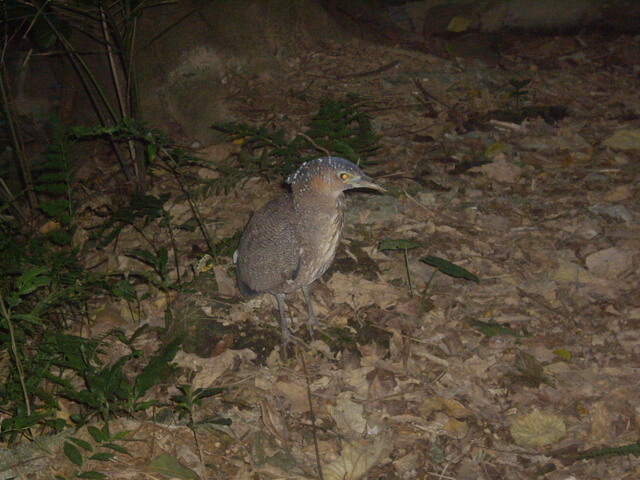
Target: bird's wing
(269,252)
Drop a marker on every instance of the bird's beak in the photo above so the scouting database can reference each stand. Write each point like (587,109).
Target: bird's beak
(367,182)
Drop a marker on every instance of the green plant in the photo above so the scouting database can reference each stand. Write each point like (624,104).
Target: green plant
(338,128)
(40,361)
(403,245)
(44,290)
(53,179)
(226,246)
(492,328)
(77,450)
(185,405)
(162,154)
(107,390)
(9,316)
(35,309)
(518,91)
(629,449)
(448,268)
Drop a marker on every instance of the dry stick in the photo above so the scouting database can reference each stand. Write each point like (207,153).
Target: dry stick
(173,167)
(301,92)
(428,96)
(423,298)
(406,264)
(88,79)
(175,252)
(381,69)
(450,220)
(131,100)
(14,348)
(441,476)
(112,65)
(10,200)
(312,416)
(200,455)
(118,88)
(308,139)
(287,444)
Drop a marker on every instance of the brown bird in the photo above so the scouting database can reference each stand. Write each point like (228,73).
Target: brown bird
(292,240)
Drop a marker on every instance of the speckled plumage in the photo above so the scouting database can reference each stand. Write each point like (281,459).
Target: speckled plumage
(292,240)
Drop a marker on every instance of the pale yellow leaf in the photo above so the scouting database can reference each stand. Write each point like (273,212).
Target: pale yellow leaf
(357,459)
(537,429)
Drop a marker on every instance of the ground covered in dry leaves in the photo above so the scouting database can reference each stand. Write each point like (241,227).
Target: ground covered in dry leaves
(511,377)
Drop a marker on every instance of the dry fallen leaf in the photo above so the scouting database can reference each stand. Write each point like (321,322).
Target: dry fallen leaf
(500,170)
(618,194)
(602,422)
(107,318)
(360,293)
(450,406)
(537,429)
(226,284)
(208,370)
(293,390)
(569,272)
(610,263)
(348,415)
(357,459)
(624,139)
(455,428)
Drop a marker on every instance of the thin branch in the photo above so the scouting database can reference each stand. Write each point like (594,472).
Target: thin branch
(366,73)
(118,89)
(310,140)
(312,416)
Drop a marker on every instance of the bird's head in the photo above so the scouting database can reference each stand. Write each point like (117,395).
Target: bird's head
(329,176)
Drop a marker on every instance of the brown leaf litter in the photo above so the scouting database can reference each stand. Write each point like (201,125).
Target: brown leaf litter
(550,223)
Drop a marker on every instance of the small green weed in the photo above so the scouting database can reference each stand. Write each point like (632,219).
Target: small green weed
(53,181)
(518,91)
(107,390)
(443,266)
(79,451)
(185,405)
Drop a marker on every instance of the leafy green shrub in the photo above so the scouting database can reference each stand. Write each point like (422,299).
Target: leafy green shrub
(43,358)
(53,180)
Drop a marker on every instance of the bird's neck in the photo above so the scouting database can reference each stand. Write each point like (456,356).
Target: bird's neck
(314,202)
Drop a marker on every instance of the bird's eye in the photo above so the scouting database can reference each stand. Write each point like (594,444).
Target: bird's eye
(344,176)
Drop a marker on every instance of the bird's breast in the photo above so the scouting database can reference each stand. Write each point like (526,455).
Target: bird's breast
(320,243)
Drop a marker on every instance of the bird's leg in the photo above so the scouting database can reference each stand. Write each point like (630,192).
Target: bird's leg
(287,337)
(286,334)
(313,321)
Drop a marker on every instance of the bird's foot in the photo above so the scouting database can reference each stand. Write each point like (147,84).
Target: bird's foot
(290,342)
(291,339)
(313,323)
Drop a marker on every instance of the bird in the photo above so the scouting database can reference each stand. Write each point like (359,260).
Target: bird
(292,240)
